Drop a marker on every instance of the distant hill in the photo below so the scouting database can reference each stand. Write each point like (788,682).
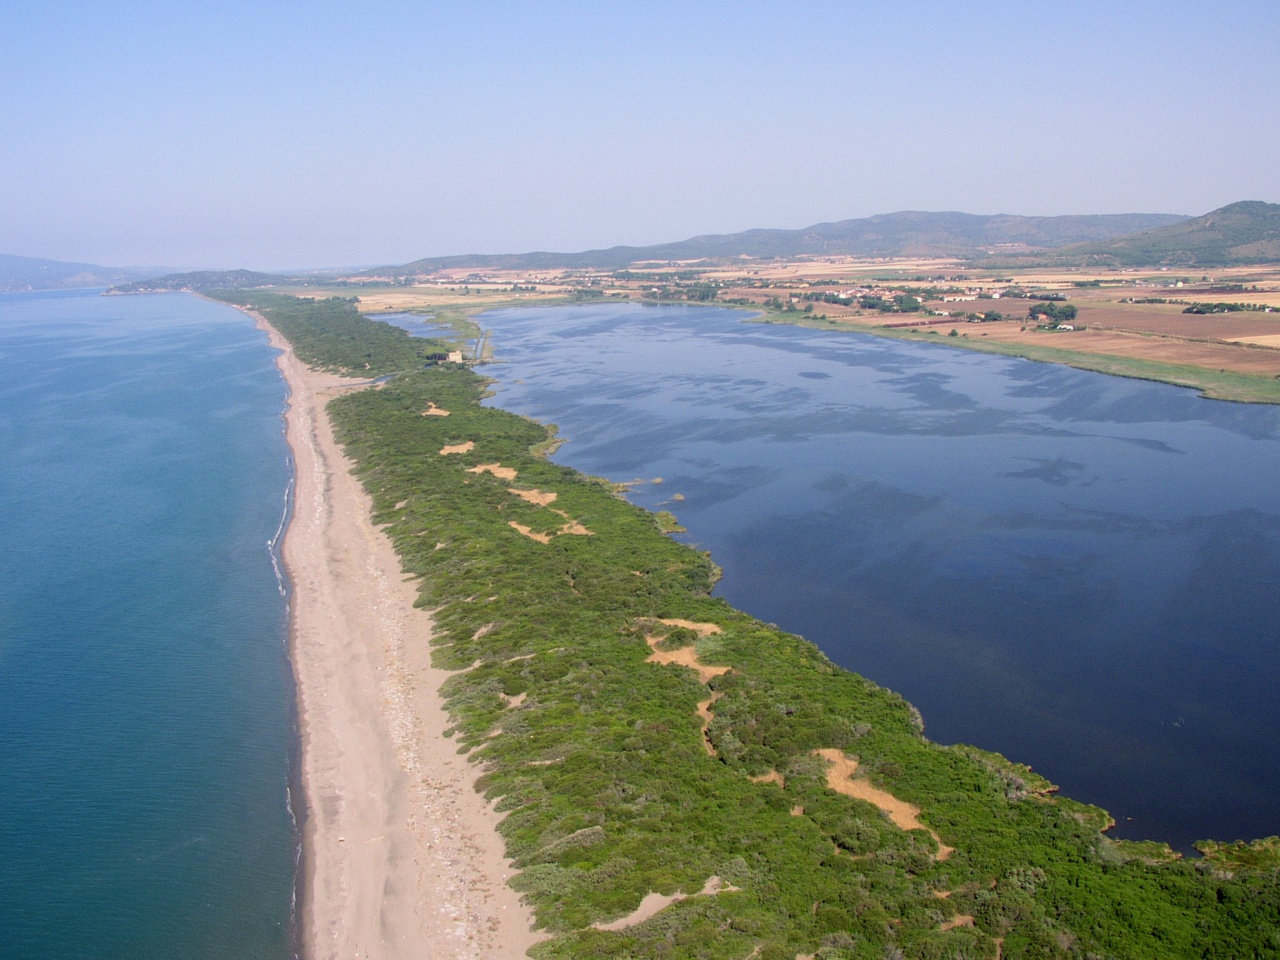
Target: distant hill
(203,280)
(32,273)
(905,234)
(1244,232)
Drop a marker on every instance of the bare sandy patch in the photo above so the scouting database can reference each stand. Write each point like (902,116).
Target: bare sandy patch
(701,629)
(570,527)
(536,497)
(573,528)
(841,778)
(773,776)
(704,711)
(688,657)
(684,657)
(653,903)
(497,469)
(458,448)
(959,920)
(434,411)
(704,708)
(520,527)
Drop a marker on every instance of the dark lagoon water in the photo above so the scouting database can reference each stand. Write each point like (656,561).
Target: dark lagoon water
(1079,571)
(146,718)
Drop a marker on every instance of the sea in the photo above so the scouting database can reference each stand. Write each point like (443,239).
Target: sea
(147,728)
(1079,571)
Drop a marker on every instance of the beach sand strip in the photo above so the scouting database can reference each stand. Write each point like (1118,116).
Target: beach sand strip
(401,857)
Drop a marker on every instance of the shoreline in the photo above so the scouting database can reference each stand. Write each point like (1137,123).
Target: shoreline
(400,855)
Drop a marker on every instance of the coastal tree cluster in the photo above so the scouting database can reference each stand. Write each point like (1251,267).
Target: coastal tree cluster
(903,302)
(640,735)
(1227,307)
(1052,313)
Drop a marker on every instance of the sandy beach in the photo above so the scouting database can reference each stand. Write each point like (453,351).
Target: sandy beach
(401,857)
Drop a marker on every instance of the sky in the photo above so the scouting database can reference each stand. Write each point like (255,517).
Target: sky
(289,135)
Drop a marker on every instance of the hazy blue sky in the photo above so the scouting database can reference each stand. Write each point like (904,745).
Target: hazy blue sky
(281,134)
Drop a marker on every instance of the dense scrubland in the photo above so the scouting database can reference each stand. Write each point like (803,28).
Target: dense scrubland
(640,735)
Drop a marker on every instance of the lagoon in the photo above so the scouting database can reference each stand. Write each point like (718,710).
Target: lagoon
(1075,570)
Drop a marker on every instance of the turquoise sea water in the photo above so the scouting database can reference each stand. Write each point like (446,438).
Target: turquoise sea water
(146,717)
(1076,570)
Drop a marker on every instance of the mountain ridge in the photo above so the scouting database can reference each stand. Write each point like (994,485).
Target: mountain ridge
(18,274)
(902,234)
(1247,231)
(204,280)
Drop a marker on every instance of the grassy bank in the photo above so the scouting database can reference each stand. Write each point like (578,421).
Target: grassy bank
(640,735)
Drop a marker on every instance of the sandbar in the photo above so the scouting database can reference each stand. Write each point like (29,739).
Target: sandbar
(401,856)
